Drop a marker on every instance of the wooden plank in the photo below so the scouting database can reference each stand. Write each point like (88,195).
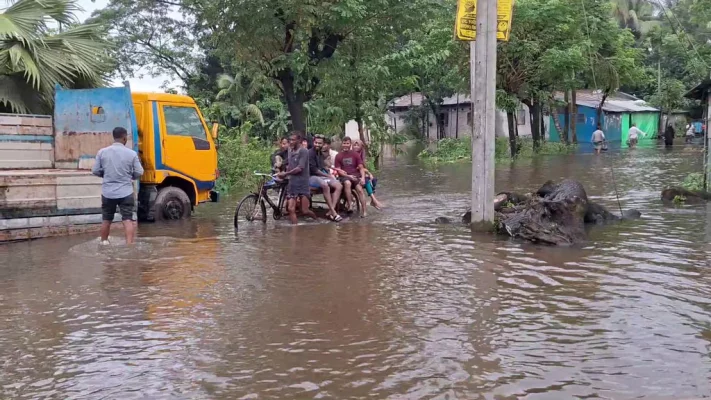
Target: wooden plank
(26,119)
(78,192)
(18,155)
(18,193)
(26,130)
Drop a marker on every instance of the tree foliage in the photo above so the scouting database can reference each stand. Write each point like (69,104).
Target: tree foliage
(34,57)
(302,64)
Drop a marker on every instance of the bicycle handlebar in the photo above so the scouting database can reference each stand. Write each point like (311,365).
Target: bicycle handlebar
(257,173)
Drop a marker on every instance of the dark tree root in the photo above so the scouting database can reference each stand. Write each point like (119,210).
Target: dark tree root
(556,214)
(684,196)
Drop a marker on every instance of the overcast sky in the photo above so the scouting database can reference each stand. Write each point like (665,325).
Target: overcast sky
(145,84)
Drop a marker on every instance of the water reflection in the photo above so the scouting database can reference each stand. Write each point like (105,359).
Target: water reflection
(391,307)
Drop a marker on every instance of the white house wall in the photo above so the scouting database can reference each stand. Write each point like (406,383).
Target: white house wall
(396,120)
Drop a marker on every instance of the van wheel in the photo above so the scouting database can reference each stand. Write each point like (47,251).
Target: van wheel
(171,204)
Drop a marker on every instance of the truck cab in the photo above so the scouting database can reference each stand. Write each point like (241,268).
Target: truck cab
(178,154)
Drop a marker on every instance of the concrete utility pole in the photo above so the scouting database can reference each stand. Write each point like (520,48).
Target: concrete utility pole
(483,94)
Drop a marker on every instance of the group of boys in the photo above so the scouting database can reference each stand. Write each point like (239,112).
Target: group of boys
(321,168)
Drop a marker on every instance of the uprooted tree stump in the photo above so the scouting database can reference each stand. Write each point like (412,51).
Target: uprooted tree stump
(681,195)
(556,214)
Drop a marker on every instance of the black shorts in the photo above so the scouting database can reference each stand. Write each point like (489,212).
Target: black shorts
(126,206)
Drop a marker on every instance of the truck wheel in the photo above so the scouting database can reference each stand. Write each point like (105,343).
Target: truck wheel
(172,203)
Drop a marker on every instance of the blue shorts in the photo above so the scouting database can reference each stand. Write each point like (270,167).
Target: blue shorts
(318,181)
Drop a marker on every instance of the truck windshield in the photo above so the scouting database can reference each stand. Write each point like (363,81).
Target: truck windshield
(183,121)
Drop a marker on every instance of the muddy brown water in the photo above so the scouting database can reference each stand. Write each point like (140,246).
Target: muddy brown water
(394,306)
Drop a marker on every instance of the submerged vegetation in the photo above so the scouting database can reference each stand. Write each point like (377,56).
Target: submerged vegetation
(694,182)
(455,150)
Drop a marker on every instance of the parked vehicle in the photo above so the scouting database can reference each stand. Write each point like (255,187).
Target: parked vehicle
(46,186)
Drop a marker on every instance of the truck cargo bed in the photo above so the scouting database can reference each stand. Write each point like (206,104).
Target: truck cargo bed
(47,202)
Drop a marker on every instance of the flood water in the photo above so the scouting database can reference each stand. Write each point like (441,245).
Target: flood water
(393,306)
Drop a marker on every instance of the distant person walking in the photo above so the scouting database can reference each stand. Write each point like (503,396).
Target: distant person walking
(669,136)
(634,134)
(598,139)
(119,166)
(690,133)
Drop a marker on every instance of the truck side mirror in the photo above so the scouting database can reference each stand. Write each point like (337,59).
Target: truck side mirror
(215,127)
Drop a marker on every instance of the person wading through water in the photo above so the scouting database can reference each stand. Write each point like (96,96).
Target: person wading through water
(119,166)
(669,136)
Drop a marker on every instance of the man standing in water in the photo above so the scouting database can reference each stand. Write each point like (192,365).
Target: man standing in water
(298,173)
(634,134)
(119,166)
(598,139)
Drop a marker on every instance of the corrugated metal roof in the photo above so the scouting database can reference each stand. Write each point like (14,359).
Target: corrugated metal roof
(619,106)
(596,95)
(416,99)
(616,102)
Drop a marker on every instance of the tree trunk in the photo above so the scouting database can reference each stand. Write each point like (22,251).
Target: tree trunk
(294,101)
(356,93)
(425,115)
(512,133)
(566,118)
(358,112)
(536,122)
(599,108)
(574,112)
(456,128)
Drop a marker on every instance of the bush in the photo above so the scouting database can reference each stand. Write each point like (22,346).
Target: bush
(452,150)
(237,162)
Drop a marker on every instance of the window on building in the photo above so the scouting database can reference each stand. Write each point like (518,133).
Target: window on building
(580,119)
(521,116)
(183,121)
(443,119)
(469,118)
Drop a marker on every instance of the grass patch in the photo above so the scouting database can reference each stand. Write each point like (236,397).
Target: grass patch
(455,150)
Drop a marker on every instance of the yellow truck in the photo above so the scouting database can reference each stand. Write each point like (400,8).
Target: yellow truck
(46,186)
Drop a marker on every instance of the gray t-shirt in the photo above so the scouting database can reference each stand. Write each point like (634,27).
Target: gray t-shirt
(299,183)
(119,166)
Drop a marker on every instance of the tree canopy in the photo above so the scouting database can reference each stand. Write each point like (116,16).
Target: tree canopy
(295,64)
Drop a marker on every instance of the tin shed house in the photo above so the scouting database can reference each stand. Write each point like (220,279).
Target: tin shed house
(619,112)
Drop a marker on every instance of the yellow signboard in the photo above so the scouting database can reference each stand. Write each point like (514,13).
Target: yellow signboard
(466,19)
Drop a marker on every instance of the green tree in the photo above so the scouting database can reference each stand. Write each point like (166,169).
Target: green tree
(153,37)
(34,58)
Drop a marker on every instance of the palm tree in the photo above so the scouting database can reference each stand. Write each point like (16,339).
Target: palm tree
(236,93)
(34,57)
(637,15)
